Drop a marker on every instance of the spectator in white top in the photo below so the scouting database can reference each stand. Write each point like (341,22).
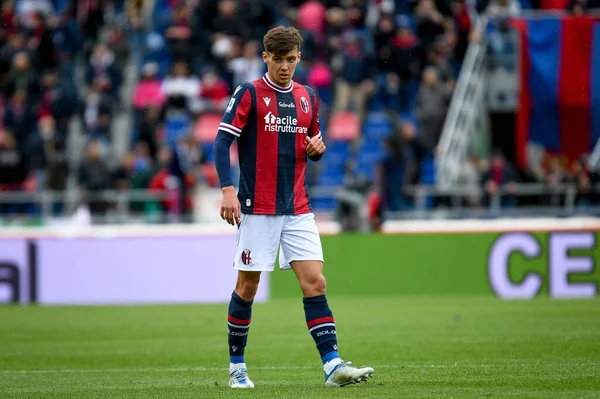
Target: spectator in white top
(28,9)
(181,88)
(249,66)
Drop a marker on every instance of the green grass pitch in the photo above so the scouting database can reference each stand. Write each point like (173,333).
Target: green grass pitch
(427,347)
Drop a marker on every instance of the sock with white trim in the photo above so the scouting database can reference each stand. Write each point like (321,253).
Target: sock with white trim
(321,326)
(238,324)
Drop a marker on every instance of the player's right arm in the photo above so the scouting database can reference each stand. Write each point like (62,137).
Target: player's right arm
(232,125)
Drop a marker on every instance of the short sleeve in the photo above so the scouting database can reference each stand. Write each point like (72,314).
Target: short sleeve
(236,115)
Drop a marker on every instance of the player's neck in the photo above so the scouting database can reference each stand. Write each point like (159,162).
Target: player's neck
(271,82)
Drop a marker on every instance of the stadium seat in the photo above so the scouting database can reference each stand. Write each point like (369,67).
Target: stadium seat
(209,172)
(326,95)
(377,126)
(337,152)
(176,126)
(330,180)
(366,169)
(428,178)
(371,153)
(372,146)
(324,204)
(371,158)
(331,173)
(339,148)
(428,171)
(207,151)
(206,128)
(343,126)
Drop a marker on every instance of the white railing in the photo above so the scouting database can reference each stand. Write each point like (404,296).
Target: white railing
(594,159)
(467,109)
(451,202)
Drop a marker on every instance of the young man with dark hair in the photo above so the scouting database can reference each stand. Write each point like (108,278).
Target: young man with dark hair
(276,123)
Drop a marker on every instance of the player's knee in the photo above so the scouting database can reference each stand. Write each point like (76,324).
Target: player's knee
(314,286)
(247,286)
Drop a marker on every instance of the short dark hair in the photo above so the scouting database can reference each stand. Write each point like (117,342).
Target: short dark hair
(281,40)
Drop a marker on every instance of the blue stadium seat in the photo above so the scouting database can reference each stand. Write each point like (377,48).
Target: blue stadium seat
(367,170)
(428,177)
(377,126)
(372,146)
(331,173)
(371,158)
(337,153)
(207,150)
(326,95)
(324,204)
(330,180)
(428,171)
(331,167)
(177,126)
(371,152)
(338,147)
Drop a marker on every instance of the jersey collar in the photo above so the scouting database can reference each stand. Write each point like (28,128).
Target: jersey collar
(275,86)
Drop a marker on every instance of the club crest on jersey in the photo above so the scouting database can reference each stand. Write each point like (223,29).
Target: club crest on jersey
(246,257)
(304,105)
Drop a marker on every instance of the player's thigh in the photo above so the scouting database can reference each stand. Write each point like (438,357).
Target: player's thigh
(300,240)
(257,242)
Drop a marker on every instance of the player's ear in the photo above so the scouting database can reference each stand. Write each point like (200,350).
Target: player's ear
(265,56)
(299,56)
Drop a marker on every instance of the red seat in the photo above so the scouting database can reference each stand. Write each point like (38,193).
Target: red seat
(209,171)
(206,128)
(343,126)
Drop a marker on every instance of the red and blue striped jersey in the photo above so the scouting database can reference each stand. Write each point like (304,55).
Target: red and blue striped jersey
(271,123)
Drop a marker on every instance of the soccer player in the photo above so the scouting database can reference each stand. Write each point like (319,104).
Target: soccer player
(275,121)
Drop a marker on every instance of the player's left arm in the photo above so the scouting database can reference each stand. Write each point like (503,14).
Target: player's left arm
(315,147)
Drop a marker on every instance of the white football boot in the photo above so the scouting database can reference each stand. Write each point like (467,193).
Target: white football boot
(344,374)
(239,379)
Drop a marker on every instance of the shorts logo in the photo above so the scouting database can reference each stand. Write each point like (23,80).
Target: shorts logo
(248,202)
(246,258)
(304,105)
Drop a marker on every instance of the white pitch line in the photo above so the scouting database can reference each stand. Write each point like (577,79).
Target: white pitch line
(185,369)
(201,369)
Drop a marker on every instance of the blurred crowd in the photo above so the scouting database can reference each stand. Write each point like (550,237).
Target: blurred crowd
(65,62)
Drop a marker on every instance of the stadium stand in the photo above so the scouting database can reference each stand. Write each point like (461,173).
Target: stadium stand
(127,82)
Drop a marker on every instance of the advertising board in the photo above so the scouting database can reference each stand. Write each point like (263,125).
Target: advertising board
(120,268)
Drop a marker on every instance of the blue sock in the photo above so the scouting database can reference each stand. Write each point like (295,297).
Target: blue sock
(330,356)
(236,359)
(238,323)
(321,326)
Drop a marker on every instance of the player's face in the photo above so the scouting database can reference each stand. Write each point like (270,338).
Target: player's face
(281,67)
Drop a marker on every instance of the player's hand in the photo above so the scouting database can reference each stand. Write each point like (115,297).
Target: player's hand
(315,146)
(231,210)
